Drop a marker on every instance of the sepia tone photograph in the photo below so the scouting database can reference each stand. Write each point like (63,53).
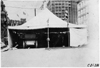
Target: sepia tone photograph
(49,33)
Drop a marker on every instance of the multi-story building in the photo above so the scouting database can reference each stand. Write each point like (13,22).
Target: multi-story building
(58,7)
(83,11)
(88,14)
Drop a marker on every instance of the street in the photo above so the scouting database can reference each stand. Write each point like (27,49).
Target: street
(54,57)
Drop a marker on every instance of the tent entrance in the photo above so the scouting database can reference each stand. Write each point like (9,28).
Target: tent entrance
(15,39)
(58,37)
(28,38)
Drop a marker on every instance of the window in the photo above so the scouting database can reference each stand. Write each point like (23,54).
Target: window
(62,6)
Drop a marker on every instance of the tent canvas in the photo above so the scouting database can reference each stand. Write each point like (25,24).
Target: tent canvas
(44,19)
(78,36)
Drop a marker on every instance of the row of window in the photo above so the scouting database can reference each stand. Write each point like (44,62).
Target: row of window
(60,8)
(83,22)
(61,3)
(83,19)
(82,4)
(83,11)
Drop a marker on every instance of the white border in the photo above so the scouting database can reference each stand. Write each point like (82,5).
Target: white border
(23,0)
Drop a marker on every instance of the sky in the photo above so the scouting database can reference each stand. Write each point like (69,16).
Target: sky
(17,9)
(22,9)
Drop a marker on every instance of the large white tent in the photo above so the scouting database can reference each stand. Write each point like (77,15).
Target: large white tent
(46,19)
(43,20)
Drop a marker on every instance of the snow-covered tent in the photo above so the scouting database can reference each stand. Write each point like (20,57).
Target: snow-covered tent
(46,19)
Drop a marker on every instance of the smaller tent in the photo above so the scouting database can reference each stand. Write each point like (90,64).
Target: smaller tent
(78,35)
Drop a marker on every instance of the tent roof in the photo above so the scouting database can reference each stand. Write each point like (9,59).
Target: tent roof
(76,26)
(43,20)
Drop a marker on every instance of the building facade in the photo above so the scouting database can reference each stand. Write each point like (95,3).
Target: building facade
(88,14)
(83,12)
(58,7)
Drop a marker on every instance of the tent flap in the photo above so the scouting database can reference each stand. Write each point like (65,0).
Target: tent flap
(78,37)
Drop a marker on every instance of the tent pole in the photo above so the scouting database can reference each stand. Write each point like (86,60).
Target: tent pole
(48,39)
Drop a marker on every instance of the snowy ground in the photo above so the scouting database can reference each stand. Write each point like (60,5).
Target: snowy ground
(57,57)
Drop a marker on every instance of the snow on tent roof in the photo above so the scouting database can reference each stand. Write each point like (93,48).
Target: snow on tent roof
(43,20)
